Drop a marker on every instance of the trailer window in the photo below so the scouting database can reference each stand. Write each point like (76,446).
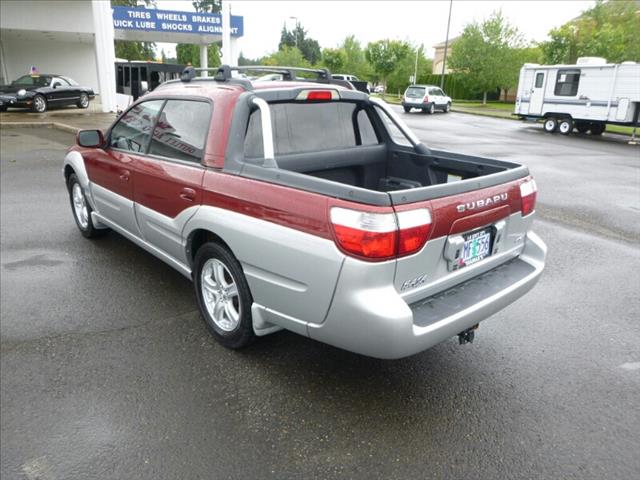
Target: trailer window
(539,80)
(567,83)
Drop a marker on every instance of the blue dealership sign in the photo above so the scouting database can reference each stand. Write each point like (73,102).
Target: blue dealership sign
(171,21)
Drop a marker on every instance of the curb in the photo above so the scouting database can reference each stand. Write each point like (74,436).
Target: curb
(60,126)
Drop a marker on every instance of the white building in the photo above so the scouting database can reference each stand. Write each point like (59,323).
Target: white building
(75,38)
(67,37)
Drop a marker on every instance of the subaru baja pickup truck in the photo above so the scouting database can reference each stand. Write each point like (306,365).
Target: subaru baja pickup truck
(304,205)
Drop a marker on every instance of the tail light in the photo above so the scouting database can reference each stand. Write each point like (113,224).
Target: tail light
(380,236)
(425,99)
(528,193)
(318,95)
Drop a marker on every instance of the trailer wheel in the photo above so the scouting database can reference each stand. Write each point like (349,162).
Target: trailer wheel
(582,127)
(550,125)
(597,128)
(565,126)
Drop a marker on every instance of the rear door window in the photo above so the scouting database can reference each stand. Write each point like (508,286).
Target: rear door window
(181,130)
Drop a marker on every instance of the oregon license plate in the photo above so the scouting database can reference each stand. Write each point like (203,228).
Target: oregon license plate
(477,245)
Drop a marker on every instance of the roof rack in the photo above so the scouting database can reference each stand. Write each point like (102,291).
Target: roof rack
(224,73)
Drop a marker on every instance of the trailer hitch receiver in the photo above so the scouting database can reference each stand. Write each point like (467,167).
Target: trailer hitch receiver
(468,335)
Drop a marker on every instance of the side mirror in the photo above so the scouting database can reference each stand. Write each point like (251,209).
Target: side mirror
(55,85)
(144,87)
(90,138)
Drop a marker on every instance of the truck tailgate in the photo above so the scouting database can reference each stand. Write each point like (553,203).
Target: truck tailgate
(471,233)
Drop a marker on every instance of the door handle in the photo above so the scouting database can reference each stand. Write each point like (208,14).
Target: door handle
(124,175)
(188,194)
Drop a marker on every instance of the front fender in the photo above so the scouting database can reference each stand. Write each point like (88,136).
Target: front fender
(75,161)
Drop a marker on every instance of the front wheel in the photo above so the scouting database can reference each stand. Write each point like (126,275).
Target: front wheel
(39,104)
(223,296)
(83,101)
(550,125)
(81,208)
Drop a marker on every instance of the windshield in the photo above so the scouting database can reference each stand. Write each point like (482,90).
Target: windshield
(33,80)
(415,92)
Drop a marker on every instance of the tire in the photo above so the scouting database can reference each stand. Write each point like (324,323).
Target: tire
(223,296)
(550,125)
(3,109)
(597,128)
(81,209)
(39,104)
(406,109)
(565,127)
(83,102)
(447,107)
(582,127)
(432,109)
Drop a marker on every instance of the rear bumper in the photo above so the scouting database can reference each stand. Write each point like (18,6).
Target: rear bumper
(375,321)
(416,105)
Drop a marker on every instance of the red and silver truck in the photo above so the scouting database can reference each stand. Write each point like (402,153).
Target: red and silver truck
(308,206)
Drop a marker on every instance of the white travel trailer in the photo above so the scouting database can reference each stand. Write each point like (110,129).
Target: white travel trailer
(585,96)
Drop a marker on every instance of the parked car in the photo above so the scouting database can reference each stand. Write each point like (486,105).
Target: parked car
(41,91)
(427,98)
(378,89)
(586,96)
(355,81)
(310,207)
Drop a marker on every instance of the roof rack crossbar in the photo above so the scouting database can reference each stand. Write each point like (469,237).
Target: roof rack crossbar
(224,73)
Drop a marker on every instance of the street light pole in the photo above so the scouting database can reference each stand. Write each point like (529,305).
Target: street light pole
(415,71)
(446,45)
(295,37)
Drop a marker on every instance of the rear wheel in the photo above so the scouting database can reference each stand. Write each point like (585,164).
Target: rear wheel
(406,109)
(565,126)
(597,128)
(582,127)
(550,125)
(223,295)
(83,101)
(432,109)
(39,104)
(447,107)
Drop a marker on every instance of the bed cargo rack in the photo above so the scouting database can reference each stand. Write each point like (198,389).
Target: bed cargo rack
(224,73)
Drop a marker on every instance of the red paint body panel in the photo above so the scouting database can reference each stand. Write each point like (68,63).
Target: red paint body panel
(167,187)
(290,207)
(110,169)
(444,211)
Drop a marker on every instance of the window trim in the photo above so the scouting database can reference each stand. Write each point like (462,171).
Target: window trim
(567,71)
(164,99)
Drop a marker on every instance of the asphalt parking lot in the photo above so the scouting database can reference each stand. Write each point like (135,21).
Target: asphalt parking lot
(107,371)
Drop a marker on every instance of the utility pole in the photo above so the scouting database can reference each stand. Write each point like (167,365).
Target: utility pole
(415,71)
(446,45)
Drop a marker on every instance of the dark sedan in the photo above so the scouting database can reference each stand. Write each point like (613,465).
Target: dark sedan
(41,91)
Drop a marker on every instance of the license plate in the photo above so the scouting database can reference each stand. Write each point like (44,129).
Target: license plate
(477,245)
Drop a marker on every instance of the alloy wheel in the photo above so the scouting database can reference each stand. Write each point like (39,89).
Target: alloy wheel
(220,294)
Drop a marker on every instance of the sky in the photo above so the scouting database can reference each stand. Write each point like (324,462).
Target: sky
(419,22)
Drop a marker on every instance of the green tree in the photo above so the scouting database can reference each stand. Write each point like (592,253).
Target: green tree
(355,62)
(243,61)
(131,50)
(207,6)
(489,54)
(609,29)
(385,56)
(287,57)
(187,53)
(333,59)
(297,38)
(398,80)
